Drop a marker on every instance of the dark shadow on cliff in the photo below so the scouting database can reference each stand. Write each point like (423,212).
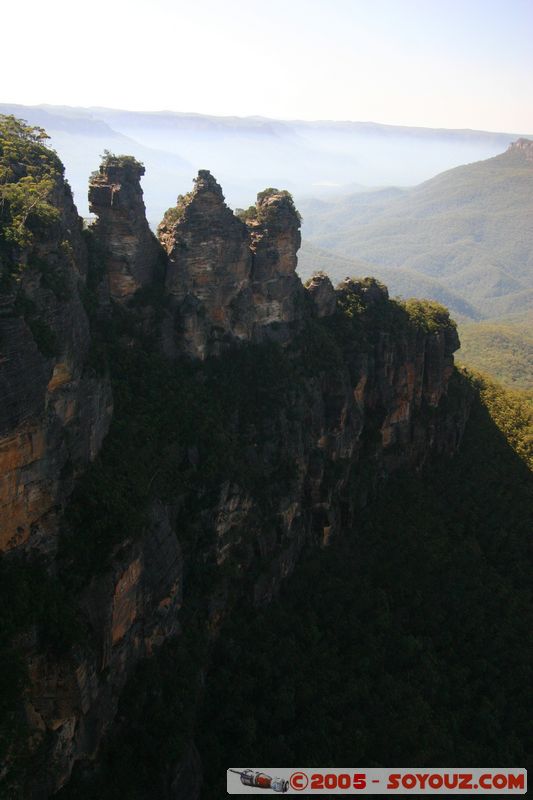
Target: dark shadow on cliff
(403,643)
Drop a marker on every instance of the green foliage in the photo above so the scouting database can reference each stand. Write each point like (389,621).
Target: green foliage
(110,159)
(511,411)
(428,315)
(266,193)
(504,350)
(246,214)
(29,172)
(174,214)
(263,209)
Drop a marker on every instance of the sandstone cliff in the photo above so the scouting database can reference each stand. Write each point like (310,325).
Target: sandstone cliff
(129,249)
(55,410)
(220,469)
(523,147)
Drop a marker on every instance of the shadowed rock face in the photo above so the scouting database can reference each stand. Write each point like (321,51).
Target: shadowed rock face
(322,293)
(277,292)
(130,250)
(230,280)
(209,263)
(54,412)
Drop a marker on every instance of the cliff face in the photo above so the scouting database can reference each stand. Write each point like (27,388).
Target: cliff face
(523,147)
(323,393)
(231,280)
(55,410)
(209,266)
(129,249)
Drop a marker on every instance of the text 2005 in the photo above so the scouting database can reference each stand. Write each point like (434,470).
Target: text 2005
(343,781)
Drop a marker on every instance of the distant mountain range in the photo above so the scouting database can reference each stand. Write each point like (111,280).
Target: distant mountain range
(466,236)
(247,154)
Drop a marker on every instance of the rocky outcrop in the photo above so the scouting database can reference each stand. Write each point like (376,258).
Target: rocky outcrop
(129,250)
(523,147)
(231,280)
(277,292)
(209,265)
(321,291)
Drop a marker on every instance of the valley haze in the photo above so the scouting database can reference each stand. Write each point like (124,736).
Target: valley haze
(318,158)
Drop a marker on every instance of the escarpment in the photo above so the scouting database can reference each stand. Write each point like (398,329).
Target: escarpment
(253,417)
(55,408)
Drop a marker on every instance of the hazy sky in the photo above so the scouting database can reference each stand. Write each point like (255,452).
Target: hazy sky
(446,63)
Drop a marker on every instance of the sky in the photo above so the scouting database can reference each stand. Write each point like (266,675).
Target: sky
(430,63)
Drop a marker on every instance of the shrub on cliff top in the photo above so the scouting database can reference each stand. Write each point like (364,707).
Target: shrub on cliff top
(110,159)
(271,192)
(428,314)
(174,214)
(29,171)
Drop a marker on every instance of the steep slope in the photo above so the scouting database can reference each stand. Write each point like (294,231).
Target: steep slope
(504,350)
(253,419)
(469,228)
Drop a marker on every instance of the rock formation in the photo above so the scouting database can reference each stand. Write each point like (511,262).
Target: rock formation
(209,265)
(275,235)
(522,147)
(130,250)
(231,280)
(367,399)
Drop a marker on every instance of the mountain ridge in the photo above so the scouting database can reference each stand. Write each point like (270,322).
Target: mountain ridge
(467,227)
(246,152)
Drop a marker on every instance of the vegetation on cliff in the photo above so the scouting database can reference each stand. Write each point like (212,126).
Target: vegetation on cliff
(29,171)
(503,350)
(260,212)
(113,161)
(511,412)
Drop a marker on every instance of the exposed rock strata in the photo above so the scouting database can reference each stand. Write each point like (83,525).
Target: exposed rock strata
(231,281)
(129,249)
(523,147)
(209,263)
(55,411)
(131,609)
